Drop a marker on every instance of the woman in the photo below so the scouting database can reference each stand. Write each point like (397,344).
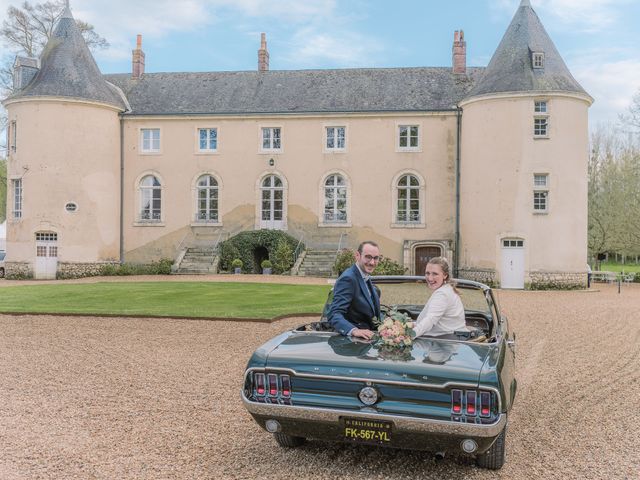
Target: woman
(444,313)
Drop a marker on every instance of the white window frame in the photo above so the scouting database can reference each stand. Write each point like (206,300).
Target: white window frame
(541,122)
(335,148)
(197,221)
(207,150)
(139,221)
(17,195)
(271,129)
(537,60)
(285,199)
(322,188)
(421,223)
(408,147)
(151,150)
(540,191)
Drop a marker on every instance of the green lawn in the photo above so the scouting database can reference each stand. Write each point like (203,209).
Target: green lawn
(166,299)
(618,267)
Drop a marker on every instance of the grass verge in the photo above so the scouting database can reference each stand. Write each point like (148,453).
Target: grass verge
(166,299)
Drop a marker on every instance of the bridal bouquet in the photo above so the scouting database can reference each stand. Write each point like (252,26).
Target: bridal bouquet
(395,331)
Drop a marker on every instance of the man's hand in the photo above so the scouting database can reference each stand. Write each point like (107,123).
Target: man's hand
(360,333)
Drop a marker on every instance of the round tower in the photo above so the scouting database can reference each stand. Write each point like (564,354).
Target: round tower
(63,173)
(523,171)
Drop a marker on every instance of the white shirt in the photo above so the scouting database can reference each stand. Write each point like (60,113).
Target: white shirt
(443,313)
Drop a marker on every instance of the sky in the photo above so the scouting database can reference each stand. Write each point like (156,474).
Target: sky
(597,38)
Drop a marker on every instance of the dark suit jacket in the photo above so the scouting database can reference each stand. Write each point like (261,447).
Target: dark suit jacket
(352,306)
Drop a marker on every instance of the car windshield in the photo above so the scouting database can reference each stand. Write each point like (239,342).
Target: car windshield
(2,254)
(417,293)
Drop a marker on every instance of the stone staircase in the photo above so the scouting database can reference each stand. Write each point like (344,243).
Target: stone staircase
(317,263)
(198,261)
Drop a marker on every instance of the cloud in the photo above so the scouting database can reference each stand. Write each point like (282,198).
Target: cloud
(582,15)
(312,47)
(611,83)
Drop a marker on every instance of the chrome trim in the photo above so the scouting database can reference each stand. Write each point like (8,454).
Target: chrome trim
(420,425)
(367,381)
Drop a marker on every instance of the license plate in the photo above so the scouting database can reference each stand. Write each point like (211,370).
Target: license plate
(359,430)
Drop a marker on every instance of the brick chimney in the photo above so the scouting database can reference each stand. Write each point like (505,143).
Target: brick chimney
(459,52)
(263,54)
(137,60)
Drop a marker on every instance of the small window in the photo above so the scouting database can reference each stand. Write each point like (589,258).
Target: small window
(408,137)
(71,207)
(540,106)
(335,138)
(540,193)
(513,243)
(46,237)
(541,127)
(538,60)
(17,197)
(207,139)
(271,138)
(150,140)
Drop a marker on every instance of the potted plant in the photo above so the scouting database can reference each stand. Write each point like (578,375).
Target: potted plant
(266,267)
(237,265)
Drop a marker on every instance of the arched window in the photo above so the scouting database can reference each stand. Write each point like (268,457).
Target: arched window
(408,189)
(150,199)
(207,199)
(272,202)
(335,199)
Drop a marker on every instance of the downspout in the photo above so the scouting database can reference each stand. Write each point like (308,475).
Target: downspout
(456,251)
(121,189)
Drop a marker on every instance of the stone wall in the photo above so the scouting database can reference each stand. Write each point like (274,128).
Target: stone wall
(486,276)
(78,270)
(18,271)
(557,280)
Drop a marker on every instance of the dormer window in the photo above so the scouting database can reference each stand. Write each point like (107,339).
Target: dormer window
(537,58)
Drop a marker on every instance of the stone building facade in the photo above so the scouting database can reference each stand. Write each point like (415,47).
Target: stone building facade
(486,166)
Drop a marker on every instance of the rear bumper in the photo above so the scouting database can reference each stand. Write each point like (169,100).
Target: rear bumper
(421,433)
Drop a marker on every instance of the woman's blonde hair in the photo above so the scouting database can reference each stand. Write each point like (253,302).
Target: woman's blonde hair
(444,265)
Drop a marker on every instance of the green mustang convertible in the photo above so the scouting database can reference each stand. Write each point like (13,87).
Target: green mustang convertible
(450,393)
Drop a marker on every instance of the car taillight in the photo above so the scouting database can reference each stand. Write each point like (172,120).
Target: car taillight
(471,402)
(285,381)
(272,387)
(273,384)
(259,381)
(456,401)
(485,404)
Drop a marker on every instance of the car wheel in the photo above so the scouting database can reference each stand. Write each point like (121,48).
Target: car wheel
(1,272)
(493,458)
(288,441)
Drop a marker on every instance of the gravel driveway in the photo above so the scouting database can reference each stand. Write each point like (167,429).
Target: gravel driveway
(114,398)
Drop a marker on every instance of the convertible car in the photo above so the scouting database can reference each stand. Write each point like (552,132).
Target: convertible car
(446,394)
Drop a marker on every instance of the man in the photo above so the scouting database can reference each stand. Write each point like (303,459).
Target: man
(355,301)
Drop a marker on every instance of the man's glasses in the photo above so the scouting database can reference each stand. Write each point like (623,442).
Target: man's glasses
(369,258)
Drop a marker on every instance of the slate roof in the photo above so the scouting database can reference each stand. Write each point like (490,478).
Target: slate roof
(511,68)
(296,91)
(69,70)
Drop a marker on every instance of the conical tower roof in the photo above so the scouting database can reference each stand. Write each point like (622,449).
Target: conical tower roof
(69,70)
(511,68)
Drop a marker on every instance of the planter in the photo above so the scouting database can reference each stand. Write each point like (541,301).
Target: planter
(266,271)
